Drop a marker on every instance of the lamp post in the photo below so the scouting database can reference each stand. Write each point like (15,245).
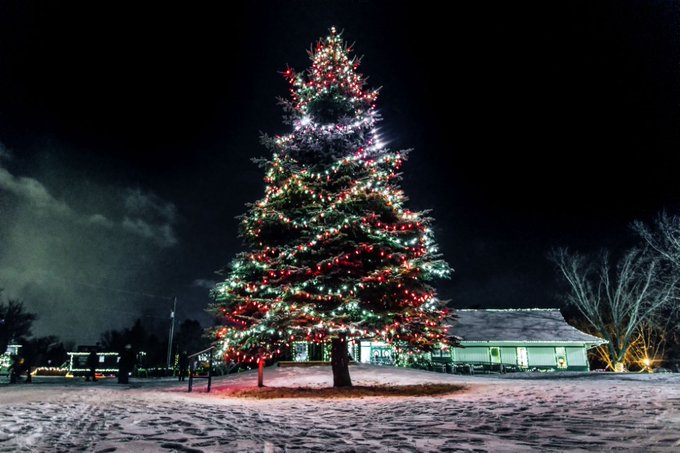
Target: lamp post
(172,329)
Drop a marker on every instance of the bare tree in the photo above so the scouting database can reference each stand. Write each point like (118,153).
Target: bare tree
(663,237)
(615,301)
(15,322)
(647,349)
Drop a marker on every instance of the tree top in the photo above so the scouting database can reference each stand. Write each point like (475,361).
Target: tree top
(332,84)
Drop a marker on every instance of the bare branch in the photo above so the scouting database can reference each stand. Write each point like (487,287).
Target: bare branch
(616,301)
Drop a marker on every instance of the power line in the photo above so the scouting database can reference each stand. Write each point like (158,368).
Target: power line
(122,291)
(108,288)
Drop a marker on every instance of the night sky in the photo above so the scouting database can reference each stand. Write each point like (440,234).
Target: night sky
(126,137)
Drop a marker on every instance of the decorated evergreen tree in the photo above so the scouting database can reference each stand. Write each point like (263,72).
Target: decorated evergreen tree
(334,256)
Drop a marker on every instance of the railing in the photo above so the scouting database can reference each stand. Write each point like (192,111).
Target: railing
(192,367)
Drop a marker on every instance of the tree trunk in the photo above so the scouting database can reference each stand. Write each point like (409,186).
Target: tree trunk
(620,355)
(340,362)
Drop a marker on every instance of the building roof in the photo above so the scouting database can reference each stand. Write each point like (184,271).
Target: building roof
(523,325)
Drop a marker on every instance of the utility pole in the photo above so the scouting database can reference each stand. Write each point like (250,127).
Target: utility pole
(172,329)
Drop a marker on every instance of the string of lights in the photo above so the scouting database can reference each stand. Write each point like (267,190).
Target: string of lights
(332,248)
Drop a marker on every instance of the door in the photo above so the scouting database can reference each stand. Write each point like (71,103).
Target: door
(561,357)
(495,354)
(522,359)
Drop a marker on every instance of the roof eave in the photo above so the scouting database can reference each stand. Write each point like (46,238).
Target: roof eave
(583,342)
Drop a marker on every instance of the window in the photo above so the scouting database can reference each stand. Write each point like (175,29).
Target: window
(300,351)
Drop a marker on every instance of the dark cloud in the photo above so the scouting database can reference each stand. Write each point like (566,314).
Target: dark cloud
(32,192)
(99,219)
(163,235)
(148,204)
(82,272)
(204,283)
(4,153)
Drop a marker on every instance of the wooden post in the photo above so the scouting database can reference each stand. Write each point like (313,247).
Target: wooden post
(193,358)
(210,370)
(191,374)
(260,371)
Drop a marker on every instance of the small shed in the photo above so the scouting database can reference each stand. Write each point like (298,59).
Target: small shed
(107,363)
(518,339)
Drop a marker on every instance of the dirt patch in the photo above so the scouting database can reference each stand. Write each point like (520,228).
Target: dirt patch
(349,392)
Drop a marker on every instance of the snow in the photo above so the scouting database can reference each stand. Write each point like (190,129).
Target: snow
(519,324)
(517,412)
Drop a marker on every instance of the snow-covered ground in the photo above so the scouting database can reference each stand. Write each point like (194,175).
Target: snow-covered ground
(534,412)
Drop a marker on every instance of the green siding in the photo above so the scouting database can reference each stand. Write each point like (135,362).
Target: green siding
(576,357)
(541,356)
(509,356)
(472,354)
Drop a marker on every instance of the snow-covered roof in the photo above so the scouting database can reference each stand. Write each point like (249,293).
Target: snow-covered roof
(533,325)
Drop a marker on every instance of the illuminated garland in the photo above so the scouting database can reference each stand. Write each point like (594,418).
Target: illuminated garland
(332,72)
(332,250)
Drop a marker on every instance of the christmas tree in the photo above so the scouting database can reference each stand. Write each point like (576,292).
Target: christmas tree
(334,256)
